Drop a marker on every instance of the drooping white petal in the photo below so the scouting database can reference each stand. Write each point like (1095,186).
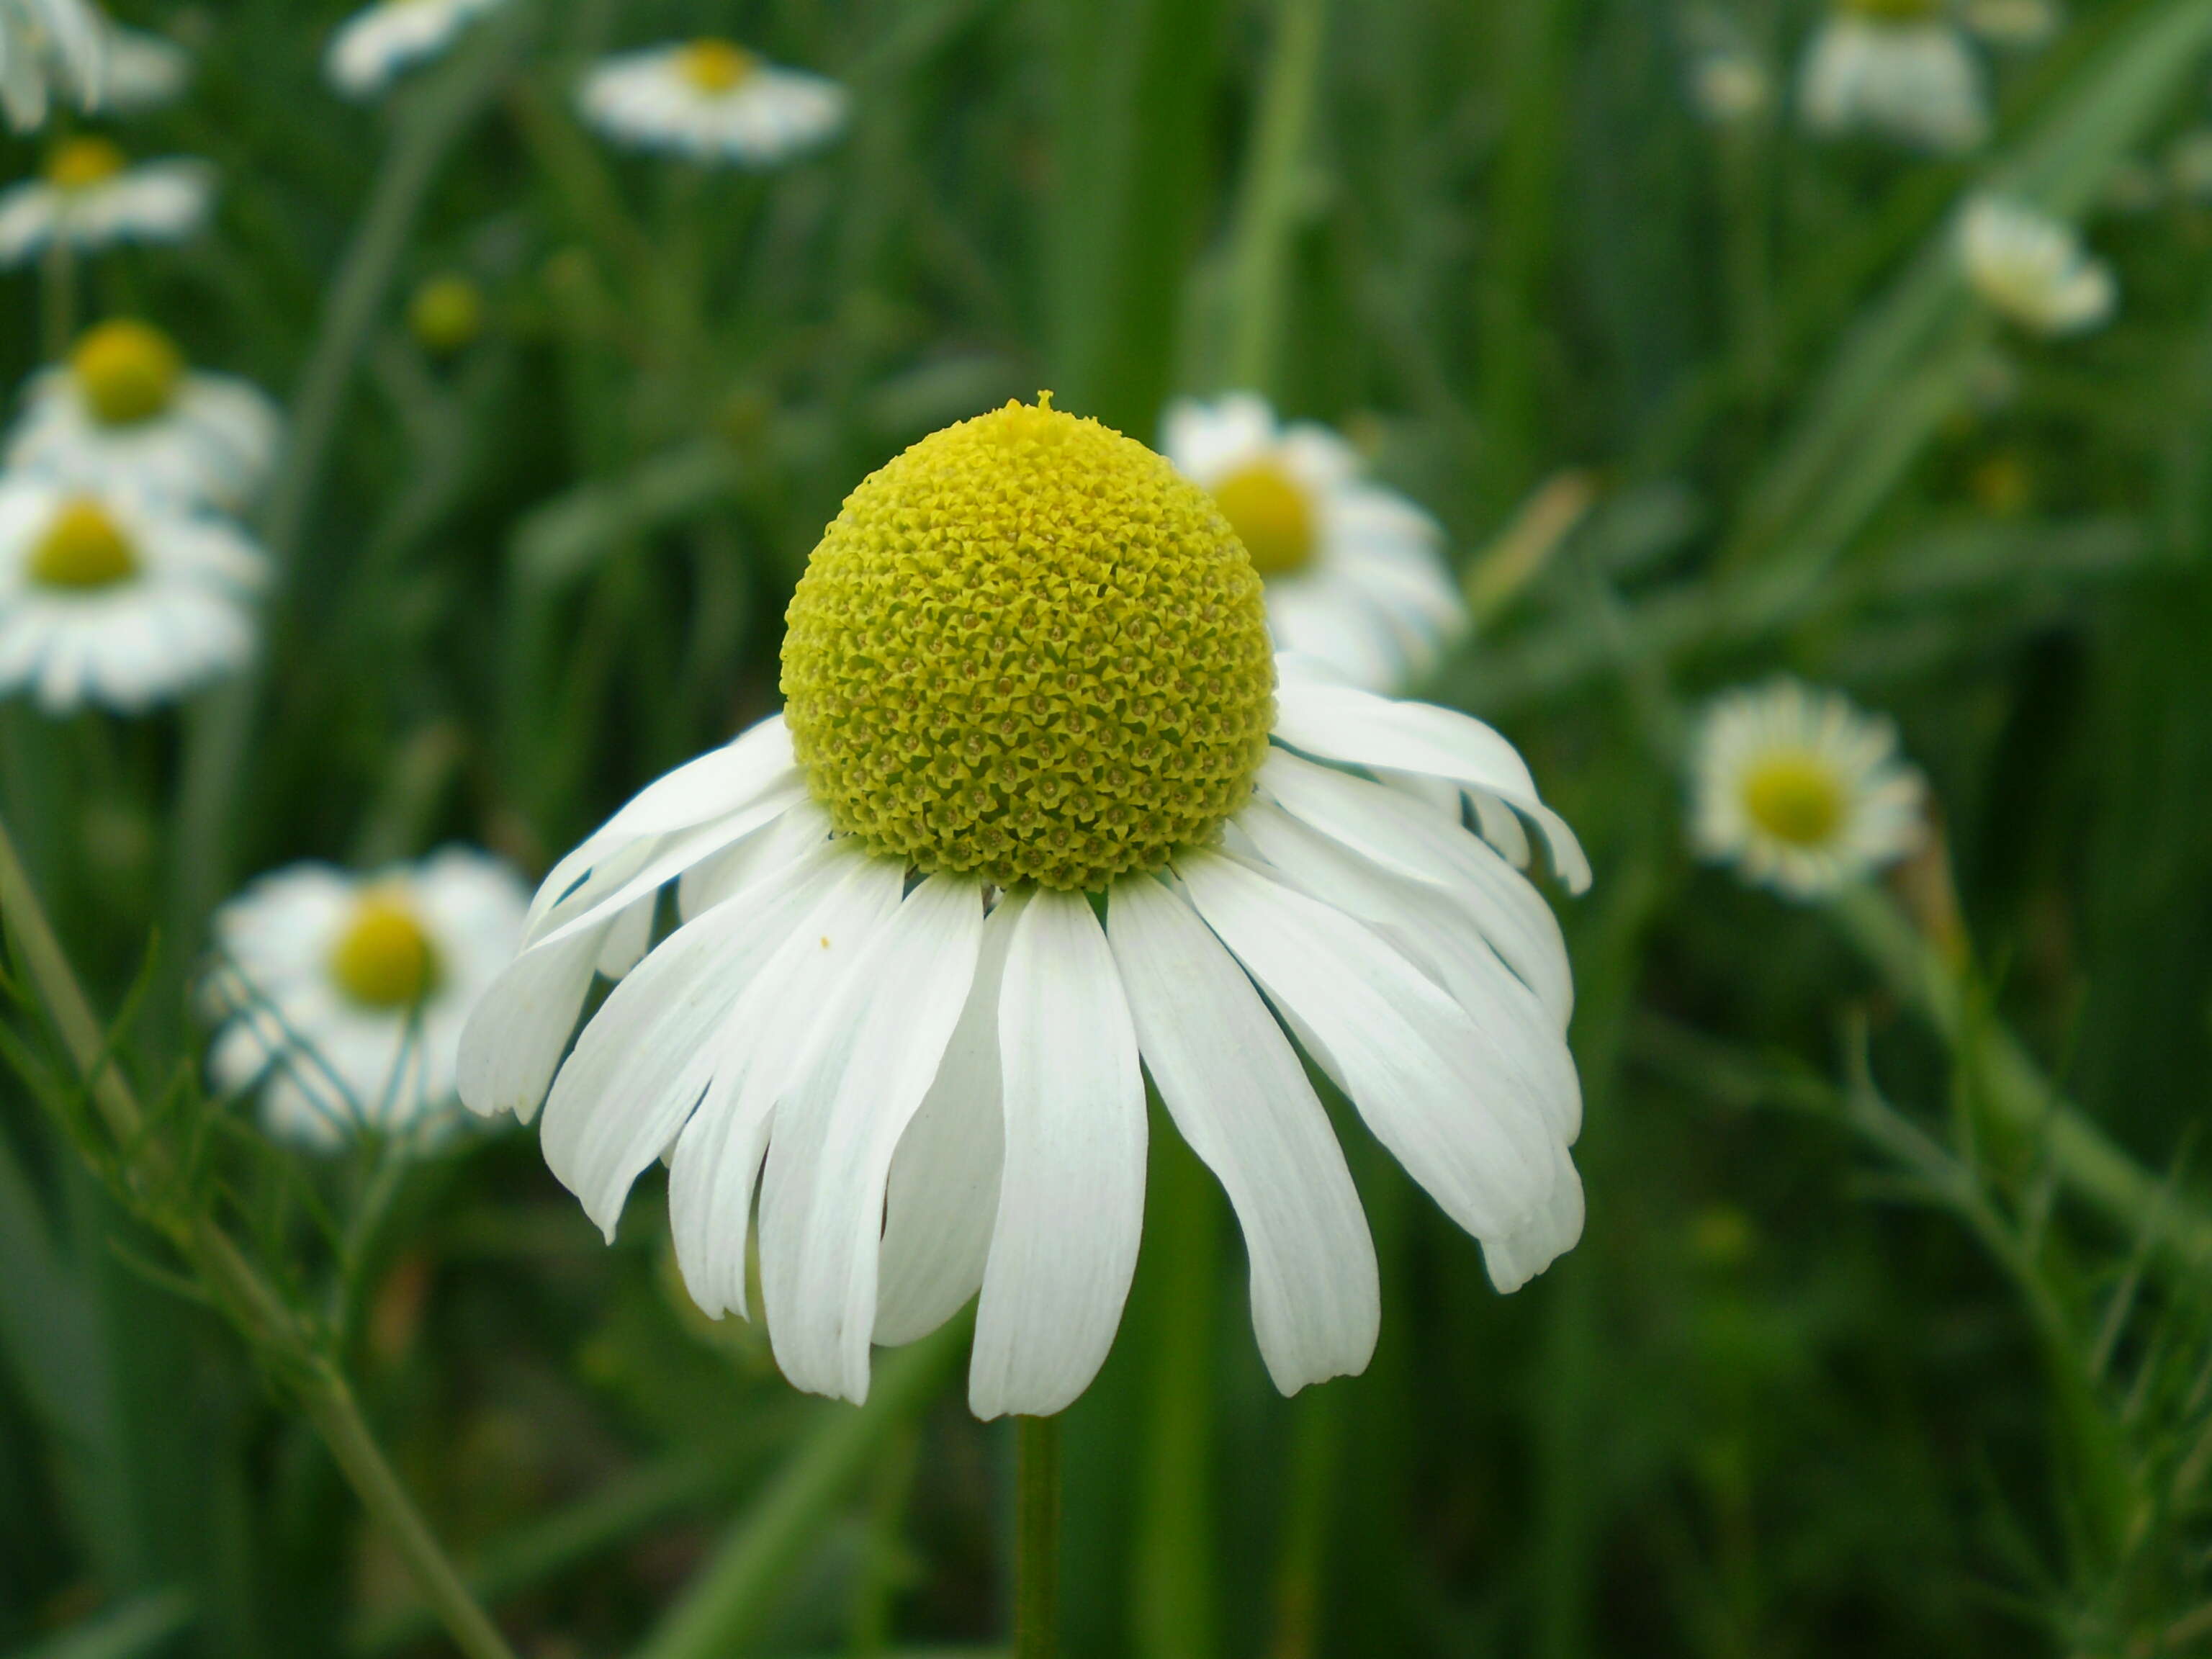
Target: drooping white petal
(1407,1055)
(821,1196)
(1339,723)
(943,1199)
(769,1037)
(515,1035)
(1237,1093)
(1369,820)
(641,1064)
(1555,1228)
(1071,1196)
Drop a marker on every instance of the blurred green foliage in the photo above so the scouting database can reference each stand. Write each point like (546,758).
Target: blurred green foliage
(1842,1363)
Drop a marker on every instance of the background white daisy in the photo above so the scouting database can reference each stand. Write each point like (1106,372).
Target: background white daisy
(371,48)
(1800,791)
(343,996)
(713,100)
(139,72)
(47,46)
(1356,574)
(2034,269)
(92,195)
(118,600)
(1913,78)
(126,413)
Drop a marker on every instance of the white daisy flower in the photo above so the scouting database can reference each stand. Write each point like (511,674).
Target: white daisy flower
(47,46)
(139,72)
(117,599)
(344,996)
(1800,791)
(2032,269)
(91,196)
(126,414)
(1900,68)
(1355,574)
(373,46)
(1038,819)
(712,101)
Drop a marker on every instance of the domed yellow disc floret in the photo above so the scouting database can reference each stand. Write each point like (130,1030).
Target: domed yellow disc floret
(447,315)
(1028,648)
(81,163)
(1272,514)
(1795,798)
(83,548)
(385,959)
(716,66)
(127,372)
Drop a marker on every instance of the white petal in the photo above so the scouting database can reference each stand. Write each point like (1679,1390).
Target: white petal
(1554,1230)
(1358,727)
(1403,1050)
(1372,821)
(1072,1197)
(1229,1079)
(638,1069)
(770,1036)
(943,1199)
(821,1196)
(515,1035)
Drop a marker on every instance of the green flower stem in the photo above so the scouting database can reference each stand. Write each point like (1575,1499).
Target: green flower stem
(1266,216)
(221,735)
(1317,1453)
(278,1337)
(739,1585)
(1036,1538)
(1172,1615)
(57,299)
(2014,1090)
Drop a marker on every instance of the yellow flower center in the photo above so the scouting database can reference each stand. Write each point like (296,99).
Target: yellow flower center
(81,163)
(716,66)
(447,315)
(83,549)
(1896,11)
(1272,514)
(1795,797)
(127,372)
(1029,648)
(385,959)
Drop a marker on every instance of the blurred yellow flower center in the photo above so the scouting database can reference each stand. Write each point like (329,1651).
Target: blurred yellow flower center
(1795,798)
(1896,11)
(80,163)
(1272,514)
(1029,648)
(383,959)
(447,315)
(716,65)
(126,371)
(83,549)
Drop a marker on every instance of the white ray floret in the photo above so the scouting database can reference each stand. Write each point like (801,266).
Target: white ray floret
(1800,791)
(1356,574)
(930,1082)
(139,72)
(371,48)
(713,100)
(91,196)
(126,414)
(48,46)
(343,997)
(2034,269)
(118,600)
(1903,71)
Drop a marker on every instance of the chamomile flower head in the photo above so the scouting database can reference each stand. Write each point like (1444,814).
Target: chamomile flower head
(371,47)
(341,998)
(91,195)
(115,599)
(1354,574)
(1901,68)
(2032,269)
(1042,817)
(1800,791)
(48,46)
(125,413)
(713,100)
(139,72)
